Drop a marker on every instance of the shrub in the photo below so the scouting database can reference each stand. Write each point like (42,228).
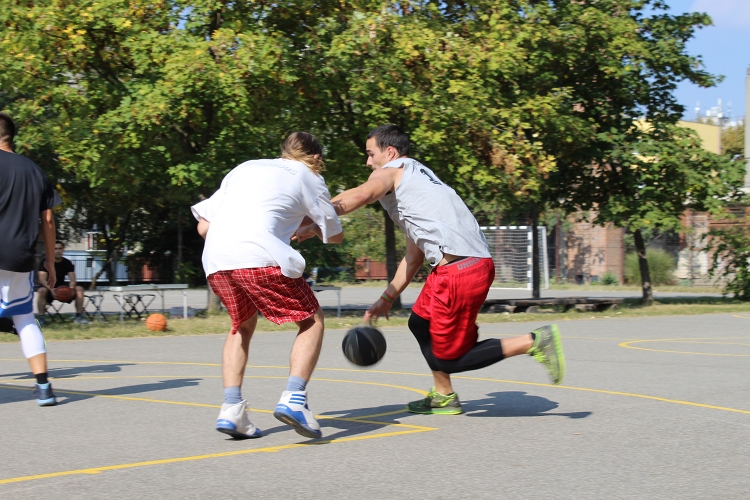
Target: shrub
(661,266)
(730,249)
(609,278)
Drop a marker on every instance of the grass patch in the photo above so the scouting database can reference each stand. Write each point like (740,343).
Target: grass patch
(635,288)
(219,324)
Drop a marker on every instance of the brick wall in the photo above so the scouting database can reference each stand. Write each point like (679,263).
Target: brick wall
(593,250)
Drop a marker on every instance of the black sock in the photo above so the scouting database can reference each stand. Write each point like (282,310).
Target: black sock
(41,378)
(533,336)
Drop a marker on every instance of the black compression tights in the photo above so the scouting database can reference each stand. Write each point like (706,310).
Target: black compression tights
(484,353)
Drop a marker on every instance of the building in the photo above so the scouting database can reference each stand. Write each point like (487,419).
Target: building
(587,252)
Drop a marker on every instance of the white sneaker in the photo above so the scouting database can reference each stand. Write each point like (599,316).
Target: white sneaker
(80,320)
(233,421)
(293,410)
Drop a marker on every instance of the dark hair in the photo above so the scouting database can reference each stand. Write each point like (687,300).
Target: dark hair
(58,242)
(302,147)
(391,135)
(7,128)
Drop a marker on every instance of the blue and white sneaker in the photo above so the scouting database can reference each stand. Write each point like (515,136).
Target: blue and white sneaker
(233,421)
(44,395)
(293,410)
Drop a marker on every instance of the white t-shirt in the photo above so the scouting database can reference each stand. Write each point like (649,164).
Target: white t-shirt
(256,211)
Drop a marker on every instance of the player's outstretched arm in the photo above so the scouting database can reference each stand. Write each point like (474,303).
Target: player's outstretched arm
(406,271)
(49,235)
(381,181)
(305,232)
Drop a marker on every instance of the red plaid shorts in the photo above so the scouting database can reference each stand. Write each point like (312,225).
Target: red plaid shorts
(450,300)
(279,298)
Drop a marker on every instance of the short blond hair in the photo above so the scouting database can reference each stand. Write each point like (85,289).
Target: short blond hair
(303,147)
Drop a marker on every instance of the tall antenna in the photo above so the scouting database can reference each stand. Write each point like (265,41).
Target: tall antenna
(747,130)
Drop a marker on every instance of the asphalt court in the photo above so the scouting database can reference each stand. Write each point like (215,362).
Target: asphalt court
(651,407)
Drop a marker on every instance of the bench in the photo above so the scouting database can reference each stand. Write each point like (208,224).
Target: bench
(337,289)
(568,303)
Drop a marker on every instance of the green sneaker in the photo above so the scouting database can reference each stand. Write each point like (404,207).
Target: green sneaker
(547,350)
(436,403)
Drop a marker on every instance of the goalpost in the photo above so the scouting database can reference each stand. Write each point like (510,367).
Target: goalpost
(511,250)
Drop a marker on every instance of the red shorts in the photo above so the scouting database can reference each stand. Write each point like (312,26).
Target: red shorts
(450,301)
(279,298)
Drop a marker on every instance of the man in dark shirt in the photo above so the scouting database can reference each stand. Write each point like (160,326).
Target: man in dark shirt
(25,196)
(46,294)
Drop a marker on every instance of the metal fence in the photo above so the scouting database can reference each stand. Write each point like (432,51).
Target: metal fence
(511,250)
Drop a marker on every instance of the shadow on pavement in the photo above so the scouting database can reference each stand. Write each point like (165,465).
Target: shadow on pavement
(71,372)
(64,397)
(348,427)
(515,404)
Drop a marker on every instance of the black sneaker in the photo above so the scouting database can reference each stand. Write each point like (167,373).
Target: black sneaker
(44,395)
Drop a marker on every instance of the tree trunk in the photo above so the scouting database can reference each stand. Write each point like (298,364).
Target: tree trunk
(640,248)
(112,270)
(213,302)
(535,292)
(558,250)
(391,262)
(95,278)
(180,277)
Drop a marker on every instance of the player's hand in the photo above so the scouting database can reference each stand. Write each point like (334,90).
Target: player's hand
(304,233)
(51,275)
(380,308)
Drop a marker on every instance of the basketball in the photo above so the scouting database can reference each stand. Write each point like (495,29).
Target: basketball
(364,345)
(64,294)
(156,323)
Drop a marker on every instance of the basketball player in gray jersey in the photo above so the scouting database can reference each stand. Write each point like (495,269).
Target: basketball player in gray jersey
(440,228)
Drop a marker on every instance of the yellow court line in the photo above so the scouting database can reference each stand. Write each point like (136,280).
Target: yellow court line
(97,377)
(365,419)
(464,377)
(685,341)
(689,339)
(269,449)
(688,342)
(614,393)
(255,410)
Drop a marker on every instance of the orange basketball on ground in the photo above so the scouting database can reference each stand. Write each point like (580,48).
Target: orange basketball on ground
(156,323)
(64,294)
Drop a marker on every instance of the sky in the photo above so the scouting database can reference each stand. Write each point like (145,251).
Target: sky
(725,50)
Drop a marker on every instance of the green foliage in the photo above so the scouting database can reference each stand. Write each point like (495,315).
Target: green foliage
(187,272)
(654,177)
(733,141)
(363,237)
(147,104)
(609,278)
(661,266)
(729,248)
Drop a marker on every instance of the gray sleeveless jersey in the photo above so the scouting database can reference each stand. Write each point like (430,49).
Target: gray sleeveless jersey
(432,215)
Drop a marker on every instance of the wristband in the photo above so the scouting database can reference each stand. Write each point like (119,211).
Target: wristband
(387,297)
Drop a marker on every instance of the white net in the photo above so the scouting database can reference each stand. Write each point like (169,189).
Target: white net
(510,247)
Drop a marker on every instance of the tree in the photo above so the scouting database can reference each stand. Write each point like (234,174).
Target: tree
(649,184)
(517,104)
(729,247)
(733,141)
(424,68)
(143,105)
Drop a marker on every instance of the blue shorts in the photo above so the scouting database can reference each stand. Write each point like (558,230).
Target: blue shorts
(16,293)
